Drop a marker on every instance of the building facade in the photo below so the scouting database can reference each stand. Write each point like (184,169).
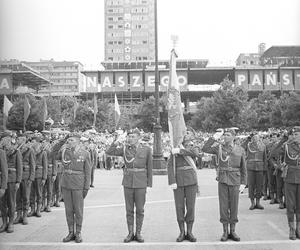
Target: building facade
(129,30)
(65,76)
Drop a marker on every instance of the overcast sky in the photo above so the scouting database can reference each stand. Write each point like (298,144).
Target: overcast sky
(217,30)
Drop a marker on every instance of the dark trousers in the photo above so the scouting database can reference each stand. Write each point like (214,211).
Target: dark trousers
(255,183)
(92,175)
(8,201)
(57,185)
(279,185)
(47,189)
(73,200)
(228,203)
(266,184)
(23,195)
(36,192)
(272,181)
(292,199)
(185,200)
(135,197)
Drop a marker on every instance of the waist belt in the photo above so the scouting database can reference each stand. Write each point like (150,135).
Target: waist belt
(50,165)
(294,167)
(39,167)
(254,160)
(12,169)
(70,171)
(230,169)
(184,168)
(25,167)
(136,169)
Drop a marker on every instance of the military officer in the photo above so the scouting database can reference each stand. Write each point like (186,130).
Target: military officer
(231,178)
(75,184)
(51,176)
(3,184)
(40,177)
(291,174)
(136,178)
(15,169)
(183,180)
(23,193)
(256,157)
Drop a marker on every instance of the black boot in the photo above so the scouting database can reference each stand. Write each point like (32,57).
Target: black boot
(272,201)
(18,219)
(292,234)
(181,236)
(225,233)
(48,207)
(69,237)
(38,210)
(281,205)
(4,225)
(25,220)
(56,204)
(138,236)
(78,238)
(189,235)
(130,236)
(10,227)
(258,205)
(252,204)
(233,234)
(32,211)
(298,230)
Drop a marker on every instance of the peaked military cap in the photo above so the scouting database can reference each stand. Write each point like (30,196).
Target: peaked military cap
(134,131)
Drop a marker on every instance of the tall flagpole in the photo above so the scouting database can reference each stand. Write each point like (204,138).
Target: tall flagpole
(158,168)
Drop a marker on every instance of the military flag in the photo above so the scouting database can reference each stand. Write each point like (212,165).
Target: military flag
(177,127)
(6,107)
(45,112)
(117,111)
(27,108)
(95,110)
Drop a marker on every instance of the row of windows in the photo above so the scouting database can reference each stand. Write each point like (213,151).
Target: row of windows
(64,80)
(115,10)
(121,2)
(115,42)
(133,10)
(127,25)
(119,58)
(119,18)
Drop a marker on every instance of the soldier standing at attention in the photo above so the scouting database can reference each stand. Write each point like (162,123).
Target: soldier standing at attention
(3,184)
(231,178)
(291,175)
(40,177)
(183,180)
(23,193)
(15,169)
(136,178)
(75,184)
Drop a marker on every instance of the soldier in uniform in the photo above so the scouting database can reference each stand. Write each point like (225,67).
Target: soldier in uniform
(231,178)
(51,176)
(15,170)
(40,177)
(183,180)
(57,183)
(136,178)
(3,184)
(93,157)
(23,193)
(291,174)
(256,157)
(75,184)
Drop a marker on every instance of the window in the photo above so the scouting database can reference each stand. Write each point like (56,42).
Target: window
(110,42)
(144,57)
(110,10)
(144,42)
(110,19)
(110,26)
(120,42)
(120,26)
(120,18)
(110,59)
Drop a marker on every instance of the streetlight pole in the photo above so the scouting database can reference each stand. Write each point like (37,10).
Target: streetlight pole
(158,168)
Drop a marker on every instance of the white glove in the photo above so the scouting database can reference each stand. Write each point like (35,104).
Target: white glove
(173,186)
(175,151)
(242,187)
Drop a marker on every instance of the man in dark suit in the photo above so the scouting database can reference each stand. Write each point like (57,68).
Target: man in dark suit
(231,177)
(137,177)
(183,180)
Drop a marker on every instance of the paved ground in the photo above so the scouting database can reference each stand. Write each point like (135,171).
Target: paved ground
(105,225)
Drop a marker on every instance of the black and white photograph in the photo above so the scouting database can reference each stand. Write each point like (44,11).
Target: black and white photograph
(149,124)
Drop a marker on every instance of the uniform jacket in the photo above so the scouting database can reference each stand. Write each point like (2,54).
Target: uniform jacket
(231,162)
(41,165)
(80,163)
(182,177)
(15,166)
(29,165)
(135,157)
(52,165)
(3,170)
(291,156)
(256,158)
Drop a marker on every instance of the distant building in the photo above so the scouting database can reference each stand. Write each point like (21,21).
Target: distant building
(248,59)
(281,56)
(129,30)
(65,76)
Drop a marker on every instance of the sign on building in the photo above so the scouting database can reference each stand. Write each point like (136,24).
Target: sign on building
(6,86)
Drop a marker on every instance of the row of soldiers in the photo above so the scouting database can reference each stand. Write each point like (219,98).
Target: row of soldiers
(30,175)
